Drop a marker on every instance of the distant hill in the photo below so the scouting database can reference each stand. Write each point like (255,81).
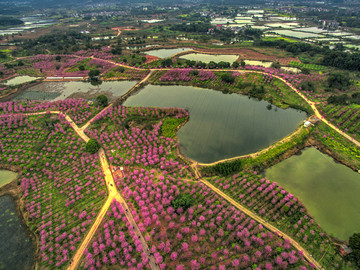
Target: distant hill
(9,21)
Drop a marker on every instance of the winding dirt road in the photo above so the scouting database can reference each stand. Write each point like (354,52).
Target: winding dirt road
(113,193)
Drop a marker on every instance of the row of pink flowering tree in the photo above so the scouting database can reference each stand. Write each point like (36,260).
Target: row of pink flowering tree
(62,185)
(281,208)
(206,233)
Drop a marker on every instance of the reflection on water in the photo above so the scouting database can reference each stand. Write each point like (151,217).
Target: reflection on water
(16,249)
(220,125)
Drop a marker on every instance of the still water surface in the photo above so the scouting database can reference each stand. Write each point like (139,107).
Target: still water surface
(220,125)
(329,190)
(62,90)
(6,177)
(206,58)
(16,249)
(164,53)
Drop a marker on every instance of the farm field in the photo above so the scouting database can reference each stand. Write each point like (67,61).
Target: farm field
(120,161)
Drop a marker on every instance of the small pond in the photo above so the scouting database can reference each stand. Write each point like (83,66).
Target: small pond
(291,69)
(258,63)
(296,34)
(6,177)
(220,125)
(62,90)
(164,53)
(16,249)
(21,79)
(206,58)
(329,190)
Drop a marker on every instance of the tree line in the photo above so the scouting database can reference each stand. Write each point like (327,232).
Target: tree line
(333,58)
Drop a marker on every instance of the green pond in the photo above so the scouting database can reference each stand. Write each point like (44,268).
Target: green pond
(164,53)
(6,177)
(16,249)
(258,63)
(63,90)
(206,58)
(20,79)
(220,125)
(329,190)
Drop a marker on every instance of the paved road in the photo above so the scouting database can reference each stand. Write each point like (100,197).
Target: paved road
(307,255)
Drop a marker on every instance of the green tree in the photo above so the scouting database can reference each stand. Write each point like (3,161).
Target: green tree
(223,64)
(354,244)
(92,146)
(166,62)
(58,58)
(338,81)
(235,64)
(276,65)
(184,201)
(2,55)
(102,100)
(94,73)
(227,168)
(228,78)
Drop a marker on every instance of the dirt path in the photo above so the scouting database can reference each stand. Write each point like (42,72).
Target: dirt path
(307,255)
(195,164)
(317,113)
(113,194)
(80,251)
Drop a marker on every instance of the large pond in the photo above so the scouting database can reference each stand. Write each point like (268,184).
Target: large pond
(329,190)
(220,125)
(63,90)
(6,177)
(164,53)
(20,79)
(206,58)
(16,249)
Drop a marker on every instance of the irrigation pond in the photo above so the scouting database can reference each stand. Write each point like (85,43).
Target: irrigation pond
(62,90)
(164,53)
(207,58)
(220,125)
(16,249)
(329,190)
(7,177)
